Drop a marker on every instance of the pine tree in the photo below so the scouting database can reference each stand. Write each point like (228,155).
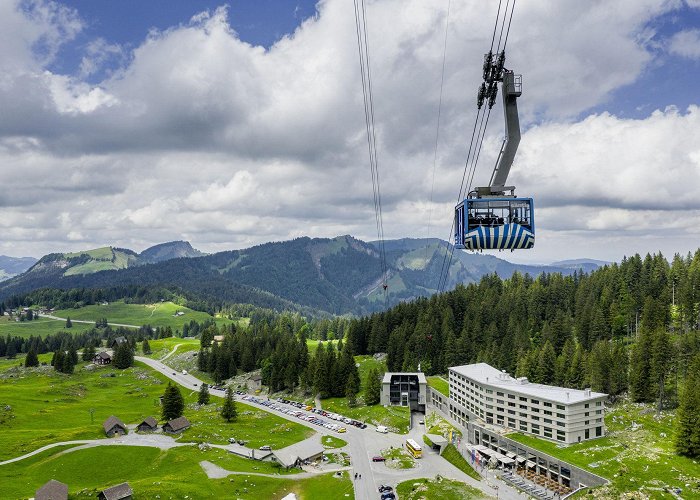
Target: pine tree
(688,415)
(89,353)
(229,411)
(203,398)
(32,359)
(57,360)
(373,387)
(146,347)
(11,350)
(67,365)
(173,402)
(69,324)
(123,356)
(547,365)
(352,387)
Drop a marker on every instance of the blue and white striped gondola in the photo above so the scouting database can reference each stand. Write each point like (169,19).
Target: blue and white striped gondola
(495,224)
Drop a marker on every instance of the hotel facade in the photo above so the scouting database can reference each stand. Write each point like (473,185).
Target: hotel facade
(481,393)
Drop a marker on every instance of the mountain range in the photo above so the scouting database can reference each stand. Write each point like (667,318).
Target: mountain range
(337,276)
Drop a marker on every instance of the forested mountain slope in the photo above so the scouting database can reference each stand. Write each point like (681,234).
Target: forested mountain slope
(339,275)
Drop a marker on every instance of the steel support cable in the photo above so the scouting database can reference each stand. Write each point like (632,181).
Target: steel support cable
(437,128)
(360,28)
(498,14)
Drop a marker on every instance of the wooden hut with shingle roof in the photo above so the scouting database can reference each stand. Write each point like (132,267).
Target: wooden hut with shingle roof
(113,426)
(148,425)
(119,492)
(177,425)
(53,490)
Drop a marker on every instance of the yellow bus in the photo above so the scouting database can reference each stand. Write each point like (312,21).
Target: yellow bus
(414,448)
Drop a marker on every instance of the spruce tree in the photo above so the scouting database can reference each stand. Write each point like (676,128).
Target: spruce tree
(203,398)
(146,347)
(547,365)
(57,360)
(89,353)
(123,356)
(67,365)
(32,359)
(69,324)
(688,415)
(229,411)
(373,387)
(173,402)
(11,350)
(352,387)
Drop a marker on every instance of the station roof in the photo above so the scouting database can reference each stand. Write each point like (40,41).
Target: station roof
(420,375)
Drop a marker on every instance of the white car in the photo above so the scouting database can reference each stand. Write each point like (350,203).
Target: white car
(382,429)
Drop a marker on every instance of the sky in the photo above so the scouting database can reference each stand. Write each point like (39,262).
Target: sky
(232,124)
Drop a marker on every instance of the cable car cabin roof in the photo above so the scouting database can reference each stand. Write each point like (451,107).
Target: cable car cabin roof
(495,224)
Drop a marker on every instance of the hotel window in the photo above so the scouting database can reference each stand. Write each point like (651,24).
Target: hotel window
(499,394)
(523,426)
(535,402)
(548,405)
(523,407)
(586,405)
(522,398)
(548,420)
(560,415)
(561,407)
(547,412)
(511,396)
(535,418)
(599,403)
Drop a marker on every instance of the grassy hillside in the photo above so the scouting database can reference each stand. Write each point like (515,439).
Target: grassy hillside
(637,454)
(38,327)
(100,259)
(147,470)
(159,314)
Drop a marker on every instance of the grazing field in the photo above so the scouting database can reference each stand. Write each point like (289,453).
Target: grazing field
(437,489)
(160,314)
(254,426)
(172,474)
(312,345)
(439,384)
(637,454)
(39,327)
(332,442)
(39,406)
(163,347)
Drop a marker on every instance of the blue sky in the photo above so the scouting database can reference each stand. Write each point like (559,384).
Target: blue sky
(233,124)
(127,22)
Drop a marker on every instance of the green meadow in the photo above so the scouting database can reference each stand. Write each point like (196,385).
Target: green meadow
(638,442)
(439,384)
(159,314)
(437,489)
(39,327)
(39,406)
(172,474)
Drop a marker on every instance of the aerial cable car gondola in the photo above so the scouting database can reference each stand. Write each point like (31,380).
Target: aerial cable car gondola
(492,217)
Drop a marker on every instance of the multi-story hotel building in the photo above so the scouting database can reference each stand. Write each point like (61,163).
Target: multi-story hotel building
(481,392)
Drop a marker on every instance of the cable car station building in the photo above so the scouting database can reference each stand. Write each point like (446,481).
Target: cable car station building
(405,389)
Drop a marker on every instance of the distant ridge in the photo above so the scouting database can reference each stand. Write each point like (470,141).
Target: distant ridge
(333,275)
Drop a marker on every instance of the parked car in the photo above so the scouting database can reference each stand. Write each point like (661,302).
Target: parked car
(388,496)
(378,458)
(265,448)
(382,429)
(385,488)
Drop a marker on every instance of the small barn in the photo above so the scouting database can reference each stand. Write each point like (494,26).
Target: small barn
(254,383)
(299,453)
(102,358)
(53,490)
(148,425)
(176,425)
(119,492)
(114,427)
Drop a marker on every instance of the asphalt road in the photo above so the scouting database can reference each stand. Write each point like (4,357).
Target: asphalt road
(362,445)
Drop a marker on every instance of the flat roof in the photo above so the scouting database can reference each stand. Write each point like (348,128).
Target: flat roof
(420,375)
(488,375)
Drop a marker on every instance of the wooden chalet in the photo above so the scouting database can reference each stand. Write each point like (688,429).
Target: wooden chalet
(114,427)
(102,358)
(117,342)
(119,492)
(53,490)
(177,425)
(148,425)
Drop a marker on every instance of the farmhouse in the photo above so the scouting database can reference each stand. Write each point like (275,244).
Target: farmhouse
(102,358)
(113,426)
(53,490)
(148,425)
(119,492)
(177,425)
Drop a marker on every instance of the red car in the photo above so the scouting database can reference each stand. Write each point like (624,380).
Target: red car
(378,459)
